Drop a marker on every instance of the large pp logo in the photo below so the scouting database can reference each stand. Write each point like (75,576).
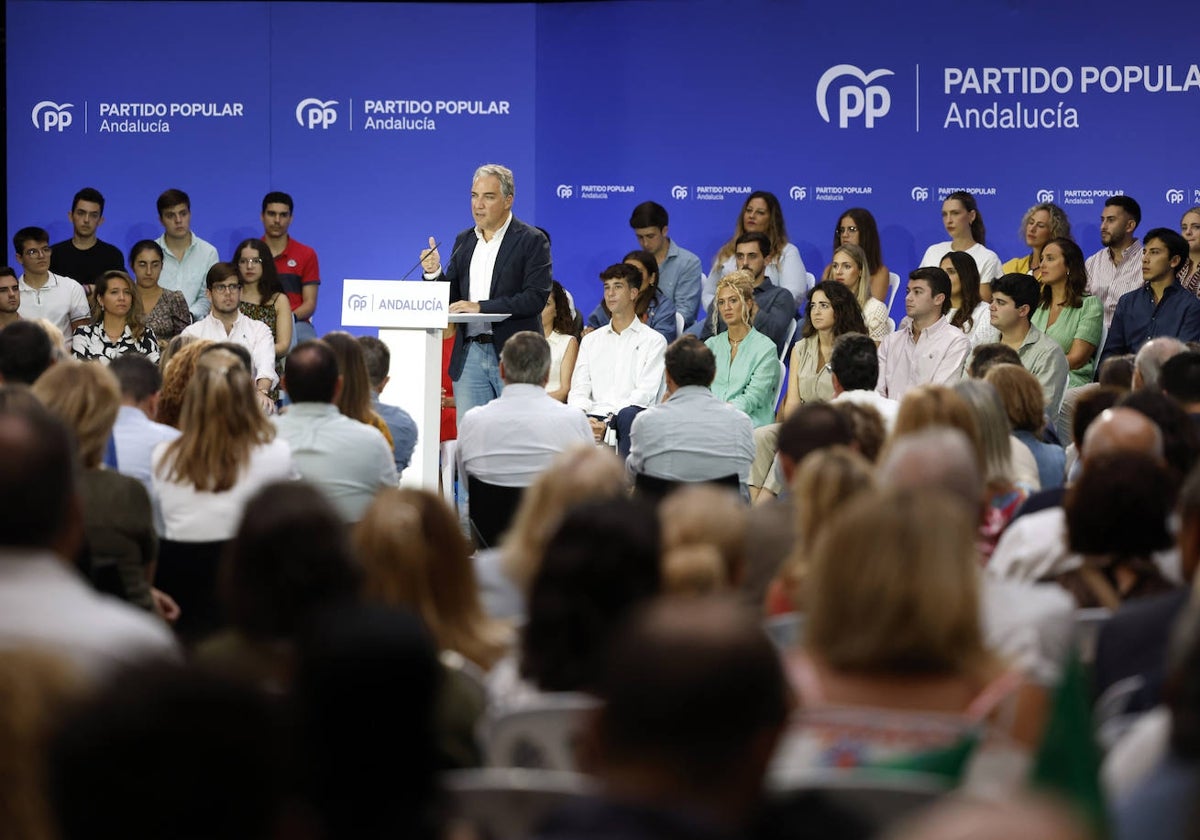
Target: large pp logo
(564,191)
(798,193)
(862,100)
(49,116)
(1174,196)
(357,303)
(920,193)
(678,193)
(313,113)
(1045,196)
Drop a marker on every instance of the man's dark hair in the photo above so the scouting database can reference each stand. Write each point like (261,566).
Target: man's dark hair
(938,280)
(1091,405)
(1181,442)
(139,377)
(220,272)
(1022,288)
(1177,246)
(855,362)
(37,473)
(813,426)
(26,235)
(648,214)
(90,194)
(1117,371)
(764,241)
(623,271)
(1180,377)
(526,359)
(689,362)
(1120,506)
(7,271)
(276,197)
(378,359)
(987,356)
(25,353)
(172,198)
(311,372)
(1128,205)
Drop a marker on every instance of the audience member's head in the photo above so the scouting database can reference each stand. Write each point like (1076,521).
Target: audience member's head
(937,282)
(1116,372)
(1180,380)
(994,431)
(60,347)
(414,556)
(25,353)
(1122,429)
(987,356)
(936,457)
(703,540)
(1018,291)
(1181,441)
(525,359)
(87,398)
(1119,506)
(354,398)
(1149,361)
(1188,506)
(1090,405)
(378,359)
(312,373)
(937,405)
(854,363)
(177,375)
(602,561)
(812,426)
(866,423)
(688,361)
(140,381)
(1021,395)
(38,477)
(174,346)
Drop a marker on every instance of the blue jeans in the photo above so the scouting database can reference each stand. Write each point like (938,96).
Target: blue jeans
(479,381)
(303,331)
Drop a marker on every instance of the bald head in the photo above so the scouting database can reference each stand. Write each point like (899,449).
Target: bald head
(1122,430)
(937,457)
(1148,364)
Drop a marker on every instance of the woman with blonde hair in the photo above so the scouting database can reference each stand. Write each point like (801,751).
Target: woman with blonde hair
(354,400)
(747,361)
(703,540)
(118,520)
(118,324)
(762,213)
(580,474)
(414,555)
(850,268)
(1025,406)
(177,373)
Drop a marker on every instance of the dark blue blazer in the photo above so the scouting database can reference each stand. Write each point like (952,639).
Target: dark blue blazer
(520,284)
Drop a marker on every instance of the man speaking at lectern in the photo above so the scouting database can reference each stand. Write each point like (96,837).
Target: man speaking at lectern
(499,265)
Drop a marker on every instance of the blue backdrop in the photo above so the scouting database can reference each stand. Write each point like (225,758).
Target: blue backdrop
(374,115)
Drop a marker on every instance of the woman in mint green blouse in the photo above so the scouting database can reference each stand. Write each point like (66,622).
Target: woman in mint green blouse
(747,361)
(1067,314)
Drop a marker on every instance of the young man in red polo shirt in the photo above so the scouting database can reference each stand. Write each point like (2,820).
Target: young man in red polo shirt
(295,262)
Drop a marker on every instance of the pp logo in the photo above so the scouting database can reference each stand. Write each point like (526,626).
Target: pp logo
(1174,196)
(1045,196)
(1196,196)
(679,193)
(311,113)
(798,193)
(49,115)
(868,101)
(920,193)
(564,191)
(356,303)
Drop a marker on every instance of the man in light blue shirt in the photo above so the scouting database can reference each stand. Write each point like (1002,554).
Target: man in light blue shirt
(347,460)
(399,422)
(678,268)
(186,257)
(136,433)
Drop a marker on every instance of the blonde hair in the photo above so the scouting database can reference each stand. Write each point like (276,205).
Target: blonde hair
(58,342)
(937,405)
(87,397)
(742,282)
(221,424)
(354,400)
(893,588)
(823,483)
(703,540)
(177,373)
(854,252)
(414,555)
(582,473)
(174,346)
(135,318)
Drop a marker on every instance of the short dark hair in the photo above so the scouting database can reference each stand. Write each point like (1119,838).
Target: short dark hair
(813,426)
(311,372)
(1177,246)
(1180,377)
(1181,442)
(377,357)
(1091,405)
(90,194)
(29,234)
(688,361)
(1117,371)
(648,214)
(855,362)
(938,280)
(138,376)
(1120,506)
(25,353)
(219,272)
(37,473)
(1022,288)
(7,271)
(144,245)
(1128,205)
(764,241)
(276,197)
(987,356)
(526,359)
(172,198)
(623,271)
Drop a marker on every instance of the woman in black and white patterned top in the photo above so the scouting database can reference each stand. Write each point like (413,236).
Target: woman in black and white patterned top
(118,324)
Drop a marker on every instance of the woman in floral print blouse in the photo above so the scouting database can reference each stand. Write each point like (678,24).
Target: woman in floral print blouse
(118,324)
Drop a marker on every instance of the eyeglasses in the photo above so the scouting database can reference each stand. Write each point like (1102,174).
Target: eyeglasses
(847,229)
(250,261)
(228,287)
(37,252)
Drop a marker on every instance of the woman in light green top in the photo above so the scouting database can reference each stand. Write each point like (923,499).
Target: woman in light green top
(1072,318)
(747,364)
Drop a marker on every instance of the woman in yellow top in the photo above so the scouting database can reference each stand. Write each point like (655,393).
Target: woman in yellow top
(1041,223)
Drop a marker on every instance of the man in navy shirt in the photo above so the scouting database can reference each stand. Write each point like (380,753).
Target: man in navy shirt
(1161,307)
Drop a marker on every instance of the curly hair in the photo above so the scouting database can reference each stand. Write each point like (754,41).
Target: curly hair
(742,283)
(177,373)
(847,315)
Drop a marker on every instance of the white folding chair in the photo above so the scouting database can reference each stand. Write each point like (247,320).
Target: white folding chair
(541,735)
(449,455)
(508,803)
(678,324)
(812,280)
(893,287)
(787,341)
(783,377)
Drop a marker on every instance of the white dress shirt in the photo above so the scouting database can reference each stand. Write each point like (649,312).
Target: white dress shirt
(512,439)
(615,370)
(483,267)
(254,335)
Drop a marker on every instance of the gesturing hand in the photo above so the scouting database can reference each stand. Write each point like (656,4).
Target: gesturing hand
(431,260)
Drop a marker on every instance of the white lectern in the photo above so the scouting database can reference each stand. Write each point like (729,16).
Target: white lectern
(411,316)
